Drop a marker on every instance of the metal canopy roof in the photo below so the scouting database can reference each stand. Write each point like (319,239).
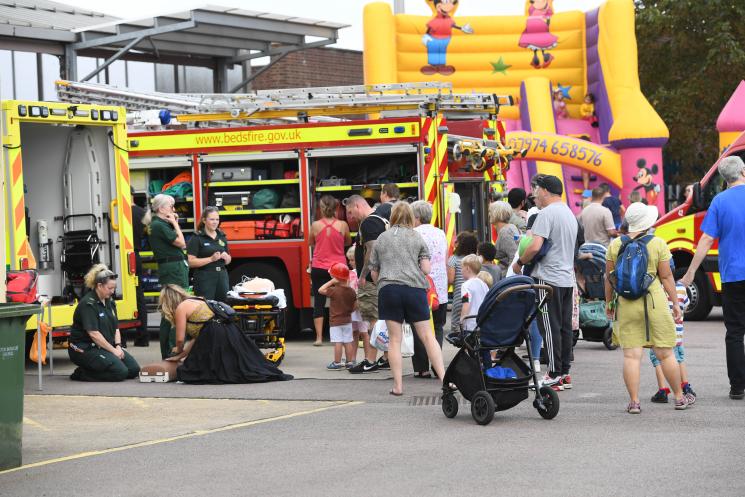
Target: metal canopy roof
(210,32)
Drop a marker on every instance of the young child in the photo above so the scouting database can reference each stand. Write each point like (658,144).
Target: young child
(472,291)
(487,253)
(360,328)
(662,390)
(342,302)
(486,278)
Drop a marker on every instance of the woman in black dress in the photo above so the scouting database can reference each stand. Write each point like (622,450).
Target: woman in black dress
(218,352)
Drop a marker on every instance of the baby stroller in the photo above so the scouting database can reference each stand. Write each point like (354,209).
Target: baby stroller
(594,324)
(502,324)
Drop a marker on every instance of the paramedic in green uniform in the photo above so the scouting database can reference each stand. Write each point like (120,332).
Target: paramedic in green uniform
(208,255)
(95,339)
(167,242)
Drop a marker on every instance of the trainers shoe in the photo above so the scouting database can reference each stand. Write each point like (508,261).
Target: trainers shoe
(566,381)
(383,364)
(661,396)
(336,366)
(690,398)
(634,408)
(736,393)
(687,390)
(553,382)
(364,366)
(350,364)
(681,403)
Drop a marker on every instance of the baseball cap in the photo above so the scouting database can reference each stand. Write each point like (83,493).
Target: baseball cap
(551,184)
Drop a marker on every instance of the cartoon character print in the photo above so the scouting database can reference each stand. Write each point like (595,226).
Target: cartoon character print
(536,35)
(438,35)
(645,178)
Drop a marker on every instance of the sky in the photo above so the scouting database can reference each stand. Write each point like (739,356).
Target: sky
(340,11)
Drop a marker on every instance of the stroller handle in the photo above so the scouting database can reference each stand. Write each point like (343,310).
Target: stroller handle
(520,288)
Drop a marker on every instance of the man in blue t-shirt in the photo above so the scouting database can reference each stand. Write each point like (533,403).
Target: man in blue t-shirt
(724,221)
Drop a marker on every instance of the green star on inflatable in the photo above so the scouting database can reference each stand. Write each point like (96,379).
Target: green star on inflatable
(500,66)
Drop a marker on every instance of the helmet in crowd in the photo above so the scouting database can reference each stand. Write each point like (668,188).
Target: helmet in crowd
(339,271)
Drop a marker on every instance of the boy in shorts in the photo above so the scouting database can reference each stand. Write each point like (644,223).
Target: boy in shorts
(662,390)
(360,327)
(342,302)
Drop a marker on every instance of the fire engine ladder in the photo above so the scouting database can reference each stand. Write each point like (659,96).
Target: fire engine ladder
(298,103)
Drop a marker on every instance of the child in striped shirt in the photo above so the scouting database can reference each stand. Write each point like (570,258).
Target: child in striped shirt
(663,391)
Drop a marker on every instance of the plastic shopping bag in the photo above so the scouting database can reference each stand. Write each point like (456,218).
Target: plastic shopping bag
(40,336)
(407,343)
(379,336)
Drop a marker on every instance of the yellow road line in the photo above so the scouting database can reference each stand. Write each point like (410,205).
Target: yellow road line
(35,424)
(185,436)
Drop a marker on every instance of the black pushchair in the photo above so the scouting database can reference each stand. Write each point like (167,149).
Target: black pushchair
(502,323)
(593,323)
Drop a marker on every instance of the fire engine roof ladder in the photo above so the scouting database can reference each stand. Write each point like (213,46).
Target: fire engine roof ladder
(297,103)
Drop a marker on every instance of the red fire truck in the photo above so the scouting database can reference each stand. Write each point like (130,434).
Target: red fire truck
(266,159)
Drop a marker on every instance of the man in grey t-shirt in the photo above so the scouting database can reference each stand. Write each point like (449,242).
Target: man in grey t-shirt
(556,223)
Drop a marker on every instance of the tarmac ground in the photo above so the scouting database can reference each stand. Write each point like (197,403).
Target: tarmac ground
(329,432)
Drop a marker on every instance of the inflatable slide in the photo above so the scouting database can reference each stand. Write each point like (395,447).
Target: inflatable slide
(579,109)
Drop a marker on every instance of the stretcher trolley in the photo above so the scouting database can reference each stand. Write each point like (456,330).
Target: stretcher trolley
(262,320)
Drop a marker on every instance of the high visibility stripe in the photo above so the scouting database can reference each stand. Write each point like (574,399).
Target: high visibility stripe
(18,223)
(449,224)
(125,229)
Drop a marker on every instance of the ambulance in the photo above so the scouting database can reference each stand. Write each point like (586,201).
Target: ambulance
(67,196)
(265,160)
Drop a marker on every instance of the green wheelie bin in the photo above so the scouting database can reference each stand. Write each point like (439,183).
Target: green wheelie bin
(13,319)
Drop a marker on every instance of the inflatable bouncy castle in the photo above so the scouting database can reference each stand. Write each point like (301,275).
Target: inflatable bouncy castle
(579,110)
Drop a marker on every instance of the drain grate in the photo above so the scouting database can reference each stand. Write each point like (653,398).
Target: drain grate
(432,400)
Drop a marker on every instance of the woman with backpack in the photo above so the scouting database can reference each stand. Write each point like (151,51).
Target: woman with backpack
(638,275)
(216,350)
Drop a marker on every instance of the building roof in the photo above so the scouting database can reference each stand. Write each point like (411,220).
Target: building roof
(207,32)
(45,20)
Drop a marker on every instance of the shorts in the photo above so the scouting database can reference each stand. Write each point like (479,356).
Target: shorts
(358,324)
(401,303)
(678,350)
(367,302)
(341,334)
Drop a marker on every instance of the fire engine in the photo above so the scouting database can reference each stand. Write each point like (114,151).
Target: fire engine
(681,229)
(265,159)
(68,202)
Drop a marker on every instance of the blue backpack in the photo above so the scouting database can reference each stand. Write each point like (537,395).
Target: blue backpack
(632,280)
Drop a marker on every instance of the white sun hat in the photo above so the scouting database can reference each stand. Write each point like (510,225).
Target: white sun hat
(641,217)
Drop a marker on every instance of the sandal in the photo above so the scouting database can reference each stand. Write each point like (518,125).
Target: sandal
(395,394)
(423,374)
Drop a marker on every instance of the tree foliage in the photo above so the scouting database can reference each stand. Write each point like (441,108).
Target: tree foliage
(691,59)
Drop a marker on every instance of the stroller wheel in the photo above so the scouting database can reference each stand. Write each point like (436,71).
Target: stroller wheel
(449,405)
(608,339)
(550,403)
(482,407)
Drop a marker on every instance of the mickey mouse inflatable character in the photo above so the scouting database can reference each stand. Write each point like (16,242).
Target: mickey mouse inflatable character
(439,33)
(646,181)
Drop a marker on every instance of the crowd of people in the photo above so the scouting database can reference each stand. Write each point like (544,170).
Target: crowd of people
(397,270)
